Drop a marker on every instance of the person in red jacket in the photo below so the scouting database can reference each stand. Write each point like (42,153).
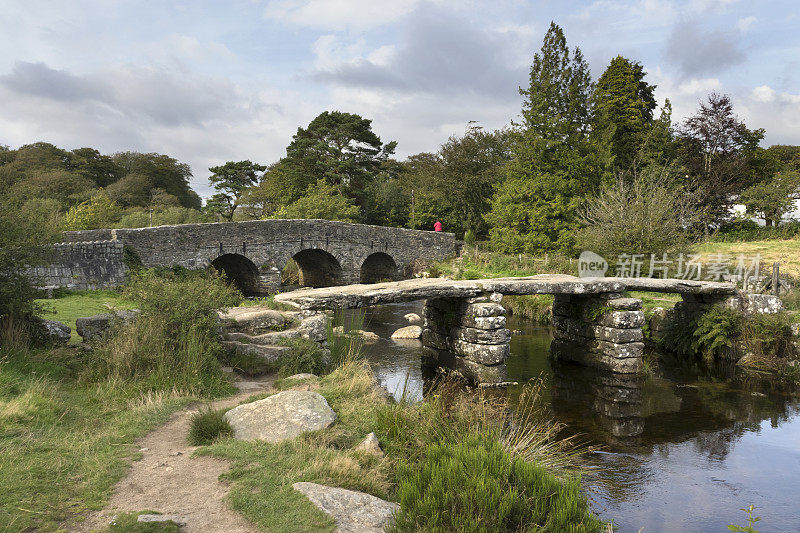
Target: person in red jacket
(437,226)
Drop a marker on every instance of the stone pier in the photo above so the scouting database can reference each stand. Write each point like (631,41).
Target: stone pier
(467,336)
(599,330)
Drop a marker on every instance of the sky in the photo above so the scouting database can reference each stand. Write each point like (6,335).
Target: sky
(208,82)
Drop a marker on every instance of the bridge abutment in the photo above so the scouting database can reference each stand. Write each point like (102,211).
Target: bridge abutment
(600,330)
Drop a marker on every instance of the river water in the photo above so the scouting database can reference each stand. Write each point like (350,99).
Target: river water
(682,450)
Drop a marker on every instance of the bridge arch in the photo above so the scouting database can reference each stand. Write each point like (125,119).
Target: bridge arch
(238,270)
(378,267)
(318,268)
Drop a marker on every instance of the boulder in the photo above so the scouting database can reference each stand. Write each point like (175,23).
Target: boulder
(96,326)
(313,328)
(408,332)
(281,416)
(413,318)
(354,512)
(257,319)
(370,445)
(57,332)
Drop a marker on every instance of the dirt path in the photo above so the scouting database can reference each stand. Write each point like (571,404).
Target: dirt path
(169,480)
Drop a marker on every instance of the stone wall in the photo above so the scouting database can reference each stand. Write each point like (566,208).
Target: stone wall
(83,265)
(334,253)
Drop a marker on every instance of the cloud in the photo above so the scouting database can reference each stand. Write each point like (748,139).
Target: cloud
(39,80)
(437,52)
(697,50)
(743,24)
(338,14)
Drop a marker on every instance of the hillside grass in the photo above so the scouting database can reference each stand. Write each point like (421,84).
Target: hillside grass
(70,306)
(64,443)
(785,252)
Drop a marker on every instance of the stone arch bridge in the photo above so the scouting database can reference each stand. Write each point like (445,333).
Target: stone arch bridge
(252,254)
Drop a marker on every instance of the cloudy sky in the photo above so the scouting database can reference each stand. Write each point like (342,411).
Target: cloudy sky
(208,82)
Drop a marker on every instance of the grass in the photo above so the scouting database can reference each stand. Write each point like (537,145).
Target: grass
(262,473)
(207,425)
(785,252)
(72,305)
(475,263)
(64,443)
(129,523)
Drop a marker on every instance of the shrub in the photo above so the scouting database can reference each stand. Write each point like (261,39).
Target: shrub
(305,356)
(174,343)
(648,215)
(476,485)
(207,425)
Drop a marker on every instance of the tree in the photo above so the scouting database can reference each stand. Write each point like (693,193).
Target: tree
(456,183)
(23,231)
(339,147)
(155,171)
(231,180)
(771,199)
(717,149)
(323,201)
(553,161)
(624,104)
(648,214)
(97,212)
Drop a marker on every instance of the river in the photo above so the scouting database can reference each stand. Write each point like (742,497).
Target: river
(683,449)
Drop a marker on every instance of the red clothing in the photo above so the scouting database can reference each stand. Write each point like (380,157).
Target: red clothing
(437,226)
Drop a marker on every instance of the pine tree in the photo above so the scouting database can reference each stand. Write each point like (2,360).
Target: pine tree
(624,105)
(554,163)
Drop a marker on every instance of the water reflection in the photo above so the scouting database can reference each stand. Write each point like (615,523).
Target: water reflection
(684,449)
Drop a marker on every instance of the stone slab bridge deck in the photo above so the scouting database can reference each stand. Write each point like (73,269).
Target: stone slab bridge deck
(464,330)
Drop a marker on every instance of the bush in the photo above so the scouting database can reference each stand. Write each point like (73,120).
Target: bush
(174,344)
(207,425)
(748,230)
(648,216)
(476,485)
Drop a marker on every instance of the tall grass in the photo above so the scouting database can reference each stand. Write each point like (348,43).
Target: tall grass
(174,343)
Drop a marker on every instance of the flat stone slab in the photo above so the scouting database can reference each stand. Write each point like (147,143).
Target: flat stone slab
(354,296)
(354,512)
(281,416)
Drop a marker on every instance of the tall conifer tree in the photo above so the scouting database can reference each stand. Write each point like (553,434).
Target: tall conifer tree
(553,163)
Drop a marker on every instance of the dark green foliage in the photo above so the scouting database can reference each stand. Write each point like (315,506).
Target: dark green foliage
(717,148)
(624,105)
(768,335)
(207,425)
(231,180)
(475,485)
(748,230)
(455,184)
(22,234)
(715,331)
(340,148)
(554,164)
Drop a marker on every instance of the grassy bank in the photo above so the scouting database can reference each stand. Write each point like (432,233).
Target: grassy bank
(532,473)
(64,442)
